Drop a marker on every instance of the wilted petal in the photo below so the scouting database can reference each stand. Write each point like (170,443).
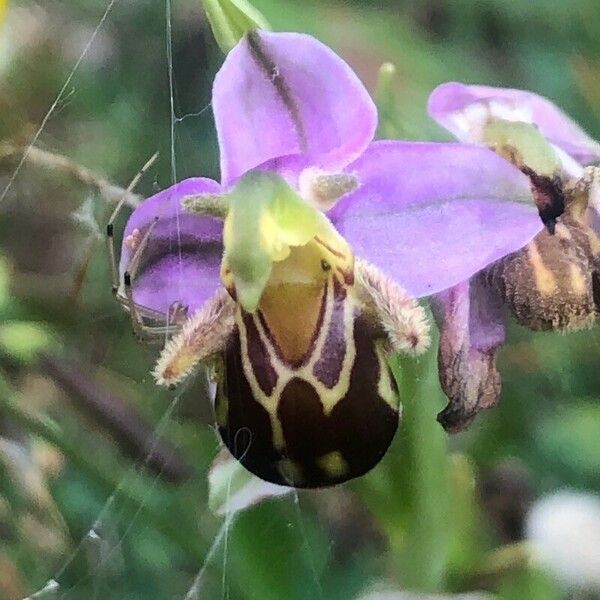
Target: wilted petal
(471,321)
(232,488)
(287,93)
(181,260)
(431,215)
(464,109)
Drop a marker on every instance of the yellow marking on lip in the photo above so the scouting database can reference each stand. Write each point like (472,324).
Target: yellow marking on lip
(292,313)
(329,396)
(278,439)
(333,463)
(544,279)
(578,282)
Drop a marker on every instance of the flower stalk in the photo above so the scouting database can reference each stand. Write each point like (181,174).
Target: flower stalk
(427,463)
(231,19)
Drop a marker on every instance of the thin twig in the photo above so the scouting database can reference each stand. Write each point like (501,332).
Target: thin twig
(56,162)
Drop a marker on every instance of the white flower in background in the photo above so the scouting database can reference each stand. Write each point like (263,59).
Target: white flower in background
(398,595)
(564,529)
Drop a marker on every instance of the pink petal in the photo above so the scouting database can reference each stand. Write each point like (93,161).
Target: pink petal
(431,215)
(181,260)
(287,93)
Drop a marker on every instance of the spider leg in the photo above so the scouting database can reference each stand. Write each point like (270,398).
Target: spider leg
(202,337)
(56,162)
(137,321)
(137,313)
(402,318)
(158,330)
(154,334)
(110,228)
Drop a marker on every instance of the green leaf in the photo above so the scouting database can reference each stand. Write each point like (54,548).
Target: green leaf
(276,551)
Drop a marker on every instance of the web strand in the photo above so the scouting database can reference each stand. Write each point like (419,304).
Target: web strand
(53,587)
(306,545)
(173,121)
(196,588)
(58,99)
(53,584)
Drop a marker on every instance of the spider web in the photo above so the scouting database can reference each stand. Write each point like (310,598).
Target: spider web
(101,549)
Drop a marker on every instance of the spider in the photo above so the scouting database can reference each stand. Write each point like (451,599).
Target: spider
(148,325)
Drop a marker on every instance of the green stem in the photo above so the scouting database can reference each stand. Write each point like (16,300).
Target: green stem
(427,530)
(389,126)
(221,28)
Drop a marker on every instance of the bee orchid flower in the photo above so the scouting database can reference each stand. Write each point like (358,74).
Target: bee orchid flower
(552,281)
(298,272)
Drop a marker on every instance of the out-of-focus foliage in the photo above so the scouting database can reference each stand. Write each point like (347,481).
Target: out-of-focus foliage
(81,502)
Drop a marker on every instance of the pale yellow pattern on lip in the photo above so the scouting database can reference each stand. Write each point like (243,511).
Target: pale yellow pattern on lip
(544,279)
(385,387)
(578,281)
(292,314)
(329,396)
(290,470)
(334,464)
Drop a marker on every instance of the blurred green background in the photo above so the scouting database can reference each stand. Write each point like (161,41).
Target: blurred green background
(81,500)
